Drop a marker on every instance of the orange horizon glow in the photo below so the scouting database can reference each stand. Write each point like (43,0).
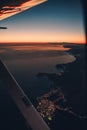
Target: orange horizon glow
(40,42)
(41,38)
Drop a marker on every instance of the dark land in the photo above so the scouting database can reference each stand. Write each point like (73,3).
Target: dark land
(64,106)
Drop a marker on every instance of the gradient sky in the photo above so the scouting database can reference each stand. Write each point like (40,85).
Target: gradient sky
(52,21)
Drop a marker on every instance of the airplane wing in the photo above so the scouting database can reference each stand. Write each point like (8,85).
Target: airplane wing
(12,7)
(27,109)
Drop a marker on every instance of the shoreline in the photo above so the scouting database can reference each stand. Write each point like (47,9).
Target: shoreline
(70,79)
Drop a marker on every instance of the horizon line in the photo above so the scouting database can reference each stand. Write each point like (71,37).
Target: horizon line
(41,43)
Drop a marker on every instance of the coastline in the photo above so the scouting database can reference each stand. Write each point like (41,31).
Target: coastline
(71,81)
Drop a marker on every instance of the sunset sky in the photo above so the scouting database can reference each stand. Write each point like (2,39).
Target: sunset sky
(51,21)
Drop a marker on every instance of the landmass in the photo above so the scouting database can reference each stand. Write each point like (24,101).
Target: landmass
(64,105)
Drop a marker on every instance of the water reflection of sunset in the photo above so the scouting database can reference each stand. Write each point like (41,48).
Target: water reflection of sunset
(39,48)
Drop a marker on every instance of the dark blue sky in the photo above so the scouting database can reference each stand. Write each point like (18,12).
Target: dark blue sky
(52,21)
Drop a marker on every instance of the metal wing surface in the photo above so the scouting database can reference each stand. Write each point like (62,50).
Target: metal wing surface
(12,7)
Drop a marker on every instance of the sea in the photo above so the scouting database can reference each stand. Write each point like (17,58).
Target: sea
(25,61)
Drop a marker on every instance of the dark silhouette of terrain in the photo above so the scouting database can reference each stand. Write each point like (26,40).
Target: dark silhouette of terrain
(72,81)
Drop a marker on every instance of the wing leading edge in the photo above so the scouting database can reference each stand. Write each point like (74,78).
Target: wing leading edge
(27,109)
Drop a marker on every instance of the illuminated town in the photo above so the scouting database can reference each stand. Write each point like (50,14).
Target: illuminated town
(53,101)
